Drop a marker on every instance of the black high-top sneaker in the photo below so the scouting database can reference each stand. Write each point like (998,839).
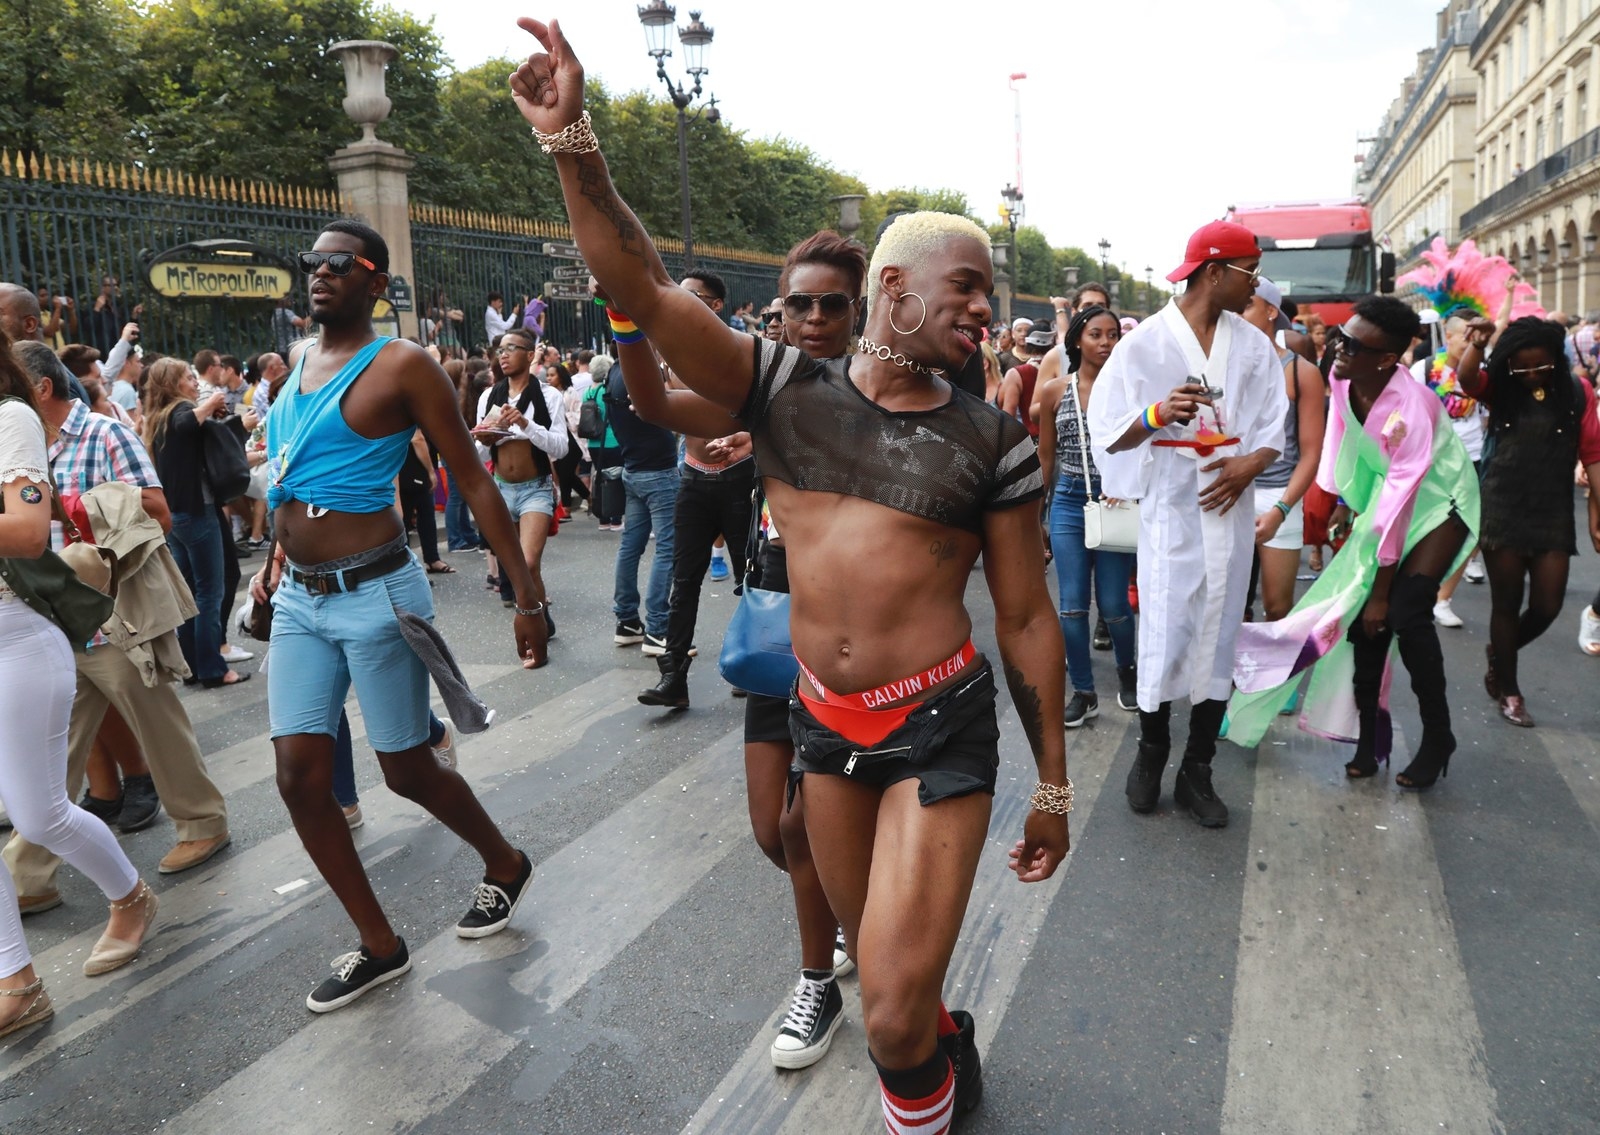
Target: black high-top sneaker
(962,1049)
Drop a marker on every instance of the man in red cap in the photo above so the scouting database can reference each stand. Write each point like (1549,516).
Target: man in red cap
(1189,409)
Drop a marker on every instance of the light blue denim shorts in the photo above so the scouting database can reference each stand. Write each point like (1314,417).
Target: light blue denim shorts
(522,497)
(322,644)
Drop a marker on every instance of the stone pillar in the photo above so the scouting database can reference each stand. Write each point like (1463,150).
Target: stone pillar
(372,173)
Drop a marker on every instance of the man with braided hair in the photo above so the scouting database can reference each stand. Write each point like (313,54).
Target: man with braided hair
(893,714)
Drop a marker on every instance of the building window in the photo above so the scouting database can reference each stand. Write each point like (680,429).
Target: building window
(1522,51)
(1538,139)
(1558,127)
(1505,71)
(1581,123)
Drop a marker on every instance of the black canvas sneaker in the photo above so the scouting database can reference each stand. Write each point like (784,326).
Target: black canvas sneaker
(815,1013)
(628,634)
(494,903)
(354,974)
(843,964)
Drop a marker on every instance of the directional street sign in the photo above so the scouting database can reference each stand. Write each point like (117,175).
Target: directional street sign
(555,291)
(571,272)
(562,251)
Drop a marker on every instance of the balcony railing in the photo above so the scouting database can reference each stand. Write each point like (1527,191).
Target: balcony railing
(1579,154)
(1491,24)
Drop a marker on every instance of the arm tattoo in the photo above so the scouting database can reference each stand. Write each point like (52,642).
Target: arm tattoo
(1026,698)
(595,187)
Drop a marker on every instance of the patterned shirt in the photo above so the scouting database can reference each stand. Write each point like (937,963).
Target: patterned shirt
(92,449)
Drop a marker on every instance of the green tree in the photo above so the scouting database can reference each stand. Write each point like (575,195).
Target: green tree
(62,65)
(247,88)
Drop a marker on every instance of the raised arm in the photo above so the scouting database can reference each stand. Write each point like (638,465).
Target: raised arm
(712,358)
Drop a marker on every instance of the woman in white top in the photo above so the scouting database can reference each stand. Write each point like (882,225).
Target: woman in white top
(37,680)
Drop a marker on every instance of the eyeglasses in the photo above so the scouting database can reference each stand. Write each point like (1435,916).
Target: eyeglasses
(771,317)
(834,305)
(1529,372)
(704,297)
(509,349)
(339,263)
(1346,344)
(1254,274)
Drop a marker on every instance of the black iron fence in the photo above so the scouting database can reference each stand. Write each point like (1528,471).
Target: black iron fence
(66,226)
(461,257)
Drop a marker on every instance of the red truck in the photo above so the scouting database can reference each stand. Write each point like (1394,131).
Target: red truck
(1320,253)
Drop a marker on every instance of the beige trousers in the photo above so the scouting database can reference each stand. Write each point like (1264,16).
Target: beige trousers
(159,721)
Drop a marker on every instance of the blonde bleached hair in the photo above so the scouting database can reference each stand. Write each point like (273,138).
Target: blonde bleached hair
(911,240)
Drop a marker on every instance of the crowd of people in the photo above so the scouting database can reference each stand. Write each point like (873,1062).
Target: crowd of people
(1172,469)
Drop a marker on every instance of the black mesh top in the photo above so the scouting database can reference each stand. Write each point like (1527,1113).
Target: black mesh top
(814,430)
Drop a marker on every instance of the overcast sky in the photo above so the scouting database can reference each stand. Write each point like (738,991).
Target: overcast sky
(1141,119)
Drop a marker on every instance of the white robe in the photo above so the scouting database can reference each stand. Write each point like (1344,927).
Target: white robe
(1194,566)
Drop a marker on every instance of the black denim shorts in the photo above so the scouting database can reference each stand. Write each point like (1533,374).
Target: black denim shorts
(950,743)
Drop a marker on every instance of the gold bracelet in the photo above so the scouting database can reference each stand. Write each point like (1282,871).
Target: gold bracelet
(1056,799)
(577,138)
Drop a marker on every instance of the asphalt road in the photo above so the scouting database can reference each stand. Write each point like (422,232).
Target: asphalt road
(1341,958)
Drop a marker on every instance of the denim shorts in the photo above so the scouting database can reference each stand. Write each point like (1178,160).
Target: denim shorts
(321,644)
(523,497)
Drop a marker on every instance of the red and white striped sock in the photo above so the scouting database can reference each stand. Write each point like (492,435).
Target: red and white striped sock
(929,1115)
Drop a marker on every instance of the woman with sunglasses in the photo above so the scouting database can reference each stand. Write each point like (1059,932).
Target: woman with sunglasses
(1067,463)
(37,681)
(1541,420)
(1402,472)
(822,280)
(173,413)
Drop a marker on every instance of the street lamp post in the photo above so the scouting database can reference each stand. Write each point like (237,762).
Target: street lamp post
(658,19)
(1105,263)
(1012,211)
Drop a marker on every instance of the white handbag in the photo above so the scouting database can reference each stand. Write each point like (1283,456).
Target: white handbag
(1106,527)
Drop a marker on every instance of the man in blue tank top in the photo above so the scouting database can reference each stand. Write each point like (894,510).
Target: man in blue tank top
(337,435)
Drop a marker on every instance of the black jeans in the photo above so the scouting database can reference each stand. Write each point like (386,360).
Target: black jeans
(709,505)
(230,572)
(416,499)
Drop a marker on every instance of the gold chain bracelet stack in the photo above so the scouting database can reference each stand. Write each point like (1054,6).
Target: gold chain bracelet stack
(575,139)
(1055,799)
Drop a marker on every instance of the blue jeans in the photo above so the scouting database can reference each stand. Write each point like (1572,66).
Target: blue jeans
(1074,562)
(196,545)
(651,499)
(458,529)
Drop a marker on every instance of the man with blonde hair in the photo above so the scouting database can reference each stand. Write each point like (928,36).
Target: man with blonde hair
(893,713)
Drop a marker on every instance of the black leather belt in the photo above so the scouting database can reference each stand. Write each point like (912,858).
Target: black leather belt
(346,579)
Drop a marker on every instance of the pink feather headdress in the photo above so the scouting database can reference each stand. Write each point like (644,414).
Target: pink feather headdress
(1468,283)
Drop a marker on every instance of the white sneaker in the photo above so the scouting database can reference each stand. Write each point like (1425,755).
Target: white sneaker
(353,816)
(1474,572)
(445,752)
(1589,631)
(1444,615)
(231,653)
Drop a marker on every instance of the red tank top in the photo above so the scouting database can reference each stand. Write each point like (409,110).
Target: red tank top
(1029,375)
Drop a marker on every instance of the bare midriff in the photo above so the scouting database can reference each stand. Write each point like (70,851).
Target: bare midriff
(875,594)
(331,535)
(513,461)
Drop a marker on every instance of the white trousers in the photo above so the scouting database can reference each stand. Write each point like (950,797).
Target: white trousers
(37,682)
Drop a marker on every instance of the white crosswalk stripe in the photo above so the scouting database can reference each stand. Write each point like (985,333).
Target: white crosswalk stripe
(1347,962)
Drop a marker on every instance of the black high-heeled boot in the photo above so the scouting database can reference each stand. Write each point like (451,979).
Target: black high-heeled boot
(1424,660)
(1369,658)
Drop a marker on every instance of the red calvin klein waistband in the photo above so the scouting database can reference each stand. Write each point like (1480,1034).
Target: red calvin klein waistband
(897,690)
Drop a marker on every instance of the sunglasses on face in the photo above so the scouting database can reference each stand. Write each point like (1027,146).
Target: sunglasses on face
(1529,372)
(834,305)
(339,263)
(768,317)
(1254,274)
(1346,344)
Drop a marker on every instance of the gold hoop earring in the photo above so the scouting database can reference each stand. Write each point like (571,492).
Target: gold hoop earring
(920,322)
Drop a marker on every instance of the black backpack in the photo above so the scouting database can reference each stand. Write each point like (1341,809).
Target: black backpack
(592,415)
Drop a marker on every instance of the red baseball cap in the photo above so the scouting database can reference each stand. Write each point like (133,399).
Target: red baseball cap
(1220,240)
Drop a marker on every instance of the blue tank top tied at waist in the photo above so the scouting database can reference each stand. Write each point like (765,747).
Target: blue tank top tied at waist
(316,458)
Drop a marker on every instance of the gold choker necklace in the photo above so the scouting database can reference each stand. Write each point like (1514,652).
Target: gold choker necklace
(1538,394)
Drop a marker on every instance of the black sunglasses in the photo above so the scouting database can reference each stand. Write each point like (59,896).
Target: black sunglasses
(1345,344)
(771,317)
(339,263)
(834,305)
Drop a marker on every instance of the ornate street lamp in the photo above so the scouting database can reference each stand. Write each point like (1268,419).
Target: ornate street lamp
(658,18)
(1012,212)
